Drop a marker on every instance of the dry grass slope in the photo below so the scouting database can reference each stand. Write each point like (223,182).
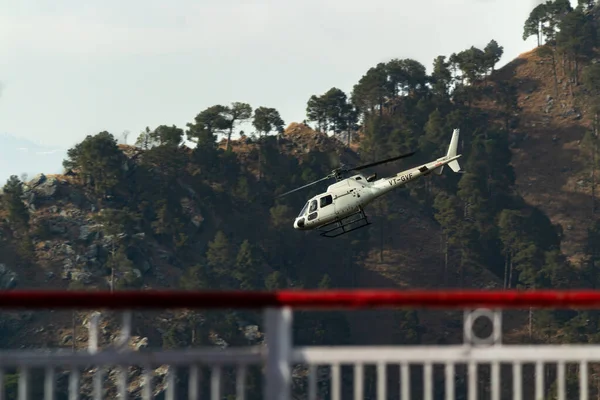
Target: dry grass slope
(551,172)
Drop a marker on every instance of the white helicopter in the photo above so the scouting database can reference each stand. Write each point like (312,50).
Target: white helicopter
(337,208)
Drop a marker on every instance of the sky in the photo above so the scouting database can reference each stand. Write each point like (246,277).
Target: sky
(71,68)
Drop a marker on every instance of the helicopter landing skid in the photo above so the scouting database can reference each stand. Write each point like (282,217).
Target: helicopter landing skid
(343,225)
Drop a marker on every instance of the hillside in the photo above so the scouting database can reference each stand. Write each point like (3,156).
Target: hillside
(551,167)
(71,248)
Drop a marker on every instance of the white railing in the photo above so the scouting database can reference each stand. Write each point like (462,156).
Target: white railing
(281,358)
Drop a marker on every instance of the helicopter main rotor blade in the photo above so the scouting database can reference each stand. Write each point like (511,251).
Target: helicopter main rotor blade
(305,186)
(381,162)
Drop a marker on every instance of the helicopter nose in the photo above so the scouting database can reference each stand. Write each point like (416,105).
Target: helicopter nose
(299,223)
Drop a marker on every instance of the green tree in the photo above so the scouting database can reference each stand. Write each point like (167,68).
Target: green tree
(576,38)
(99,160)
(441,78)
(168,135)
(207,125)
(219,255)
(247,269)
(275,281)
(407,329)
(435,136)
(266,120)
(11,200)
(447,216)
(332,111)
(196,277)
(337,109)
(534,22)
(510,233)
(405,76)
(165,163)
(12,194)
(316,111)
(371,91)
(472,62)
(119,225)
(492,54)
(146,139)
(234,114)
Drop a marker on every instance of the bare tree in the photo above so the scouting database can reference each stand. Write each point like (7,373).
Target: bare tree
(124,135)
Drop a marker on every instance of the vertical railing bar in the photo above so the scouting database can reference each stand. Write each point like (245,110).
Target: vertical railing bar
(124,345)
(583,380)
(449,381)
(215,383)
(405,381)
(93,325)
(539,380)
(74,383)
(312,382)
(241,382)
(147,388)
(49,388)
(517,381)
(381,381)
(279,343)
(194,383)
(122,382)
(1,384)
(495,378)
(359,381)
(93,332)
(126,329)
(427,379)
(171,375)
(335,381)
(23,383)
(99,383)
(561,380)
(472,379)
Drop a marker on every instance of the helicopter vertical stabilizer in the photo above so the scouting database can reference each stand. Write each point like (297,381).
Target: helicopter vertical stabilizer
(452,149)
(454,165)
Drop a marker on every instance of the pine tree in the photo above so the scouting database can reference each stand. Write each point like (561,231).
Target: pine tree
(12,202)
(219,255)
(510,233)
(247,269)
(447,216)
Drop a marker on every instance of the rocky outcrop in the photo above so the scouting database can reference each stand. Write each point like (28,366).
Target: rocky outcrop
(40,190)
(8,278)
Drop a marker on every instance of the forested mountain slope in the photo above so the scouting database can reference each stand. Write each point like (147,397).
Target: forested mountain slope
(160,214)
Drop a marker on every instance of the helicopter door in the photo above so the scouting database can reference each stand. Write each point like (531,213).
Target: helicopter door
(312,210)
(326,206)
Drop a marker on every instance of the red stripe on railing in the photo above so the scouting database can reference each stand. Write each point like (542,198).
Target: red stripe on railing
(305,299)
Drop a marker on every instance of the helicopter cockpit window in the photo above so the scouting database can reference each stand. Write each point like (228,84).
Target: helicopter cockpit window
(313,206)
(303,210)
(326,200)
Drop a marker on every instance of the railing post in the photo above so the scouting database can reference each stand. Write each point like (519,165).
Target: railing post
(278,323)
